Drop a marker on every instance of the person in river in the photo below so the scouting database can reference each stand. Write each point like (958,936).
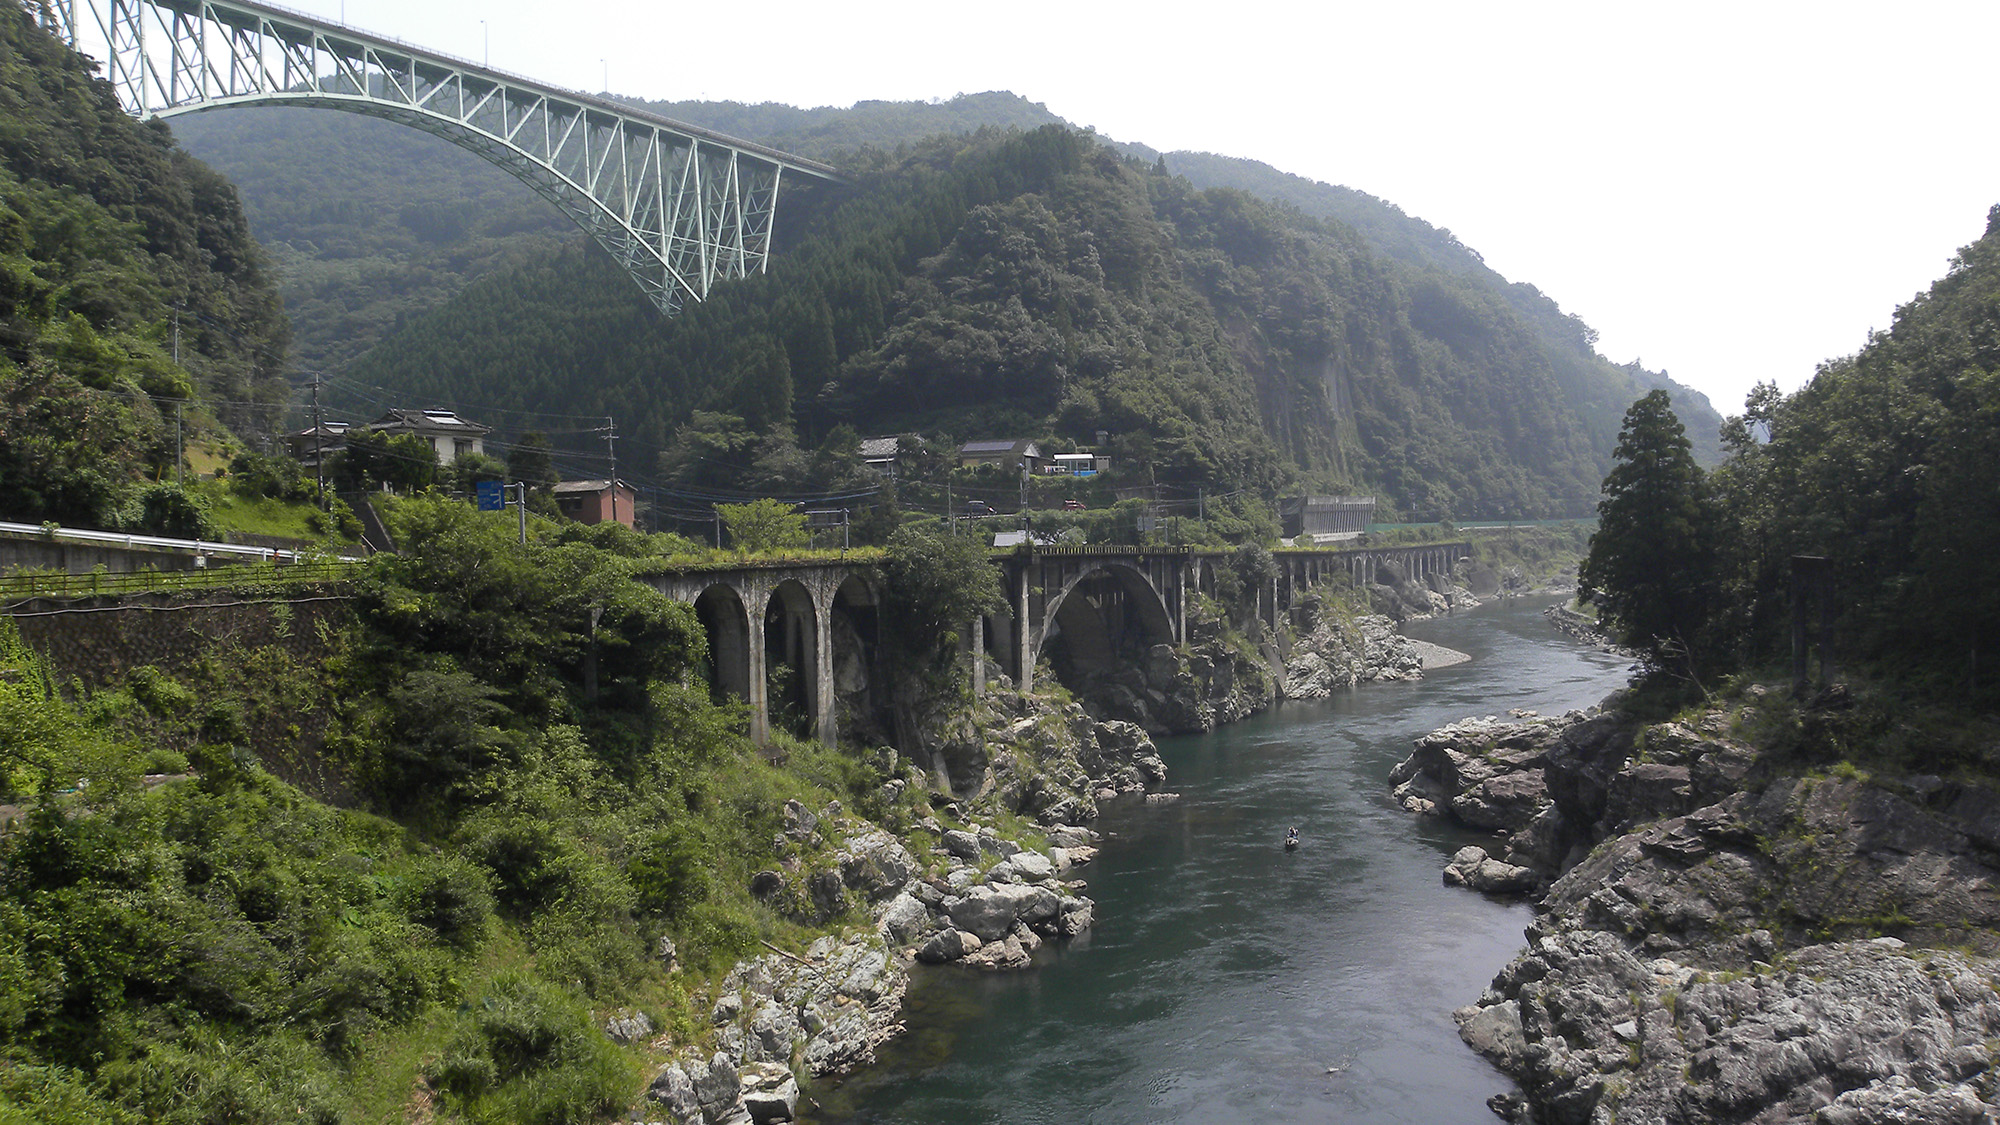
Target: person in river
(1292,837)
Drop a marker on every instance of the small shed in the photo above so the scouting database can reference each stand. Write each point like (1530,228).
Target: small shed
(1078,464)
(596,501)
(881,453)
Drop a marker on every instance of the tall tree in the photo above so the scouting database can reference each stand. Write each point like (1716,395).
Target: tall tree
(1651,569)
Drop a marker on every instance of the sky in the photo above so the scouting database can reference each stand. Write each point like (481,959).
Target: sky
(1730,192)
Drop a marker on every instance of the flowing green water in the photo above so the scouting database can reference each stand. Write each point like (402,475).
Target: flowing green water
(1228,980)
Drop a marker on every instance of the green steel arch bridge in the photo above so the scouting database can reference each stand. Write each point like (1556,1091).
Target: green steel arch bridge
(680,207)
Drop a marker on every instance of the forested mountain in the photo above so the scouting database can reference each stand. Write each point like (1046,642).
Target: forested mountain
(117,251)
(1593,388)
(368,222)
(1226,341)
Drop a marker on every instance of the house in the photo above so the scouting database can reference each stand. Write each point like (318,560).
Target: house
(450,436)
(881,453)
(1009,453)
(315,444)
(596,501)
(1327,517)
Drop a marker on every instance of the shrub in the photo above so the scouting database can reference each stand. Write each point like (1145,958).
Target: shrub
(170,510)
(525,1052)
(448,896)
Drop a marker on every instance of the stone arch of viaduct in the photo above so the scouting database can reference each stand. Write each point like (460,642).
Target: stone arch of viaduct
(1084,607)
(761,618)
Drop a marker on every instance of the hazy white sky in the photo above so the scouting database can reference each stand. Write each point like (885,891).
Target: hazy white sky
(1730,191)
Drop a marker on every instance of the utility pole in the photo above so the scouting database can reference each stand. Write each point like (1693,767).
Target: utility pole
(319,445)
(611,447)
(179,478)
(521,508)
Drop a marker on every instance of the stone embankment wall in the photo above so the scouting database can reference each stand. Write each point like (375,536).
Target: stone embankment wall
(96,641)
(258,642)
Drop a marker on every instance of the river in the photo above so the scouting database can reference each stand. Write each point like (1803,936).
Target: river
(1228,980)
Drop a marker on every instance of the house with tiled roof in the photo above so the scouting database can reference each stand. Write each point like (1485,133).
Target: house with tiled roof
(1012,453)
(450,436)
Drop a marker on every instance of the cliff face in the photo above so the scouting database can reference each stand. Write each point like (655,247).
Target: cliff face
(1723,938)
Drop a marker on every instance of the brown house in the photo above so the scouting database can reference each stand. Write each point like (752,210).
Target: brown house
(1011,453)
(596,501)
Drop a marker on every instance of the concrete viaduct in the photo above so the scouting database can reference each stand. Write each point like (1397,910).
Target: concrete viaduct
(798,641)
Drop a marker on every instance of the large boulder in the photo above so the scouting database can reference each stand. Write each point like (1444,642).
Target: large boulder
(673,1089)
(990,911)
(770,1093)
(1471,867)
(876,865)
(904,919)
(948,945)
(717,1086)
(1023,867)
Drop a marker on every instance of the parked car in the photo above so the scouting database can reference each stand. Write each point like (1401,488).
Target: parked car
(1072,505)
(978,508)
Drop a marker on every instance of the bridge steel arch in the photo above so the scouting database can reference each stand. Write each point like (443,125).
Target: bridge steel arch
(679,207)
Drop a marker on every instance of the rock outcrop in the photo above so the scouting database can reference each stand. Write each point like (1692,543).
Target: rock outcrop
(1722,939)
(1844,1032)
(980,900)
(1328,653)
(1038,757)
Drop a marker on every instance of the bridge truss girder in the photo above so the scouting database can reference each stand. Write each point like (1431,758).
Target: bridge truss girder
(680,208)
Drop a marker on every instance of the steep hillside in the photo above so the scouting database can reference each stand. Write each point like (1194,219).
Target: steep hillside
(129,289)
(1593,384)
(368,222)
(1041,283)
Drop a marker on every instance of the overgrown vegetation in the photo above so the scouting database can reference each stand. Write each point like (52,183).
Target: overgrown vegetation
(536,797)
(133,303)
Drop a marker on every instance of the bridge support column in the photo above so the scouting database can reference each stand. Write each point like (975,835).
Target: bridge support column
(824,726)
(759,692)
(1181,600)
(975,651)
(1024,634)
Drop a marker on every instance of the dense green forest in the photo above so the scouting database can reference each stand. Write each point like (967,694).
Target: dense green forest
(131,292)
(1885,465)
(368,222)
(986,281)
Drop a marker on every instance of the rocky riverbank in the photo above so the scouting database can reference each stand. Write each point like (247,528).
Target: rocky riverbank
(978,895)
(973,895)
(1723,935)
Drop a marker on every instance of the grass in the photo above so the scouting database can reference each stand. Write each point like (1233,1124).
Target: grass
(384,1077)
(264,516)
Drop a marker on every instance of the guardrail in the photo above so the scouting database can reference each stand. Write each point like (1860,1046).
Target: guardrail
(31,585)
(57,534)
